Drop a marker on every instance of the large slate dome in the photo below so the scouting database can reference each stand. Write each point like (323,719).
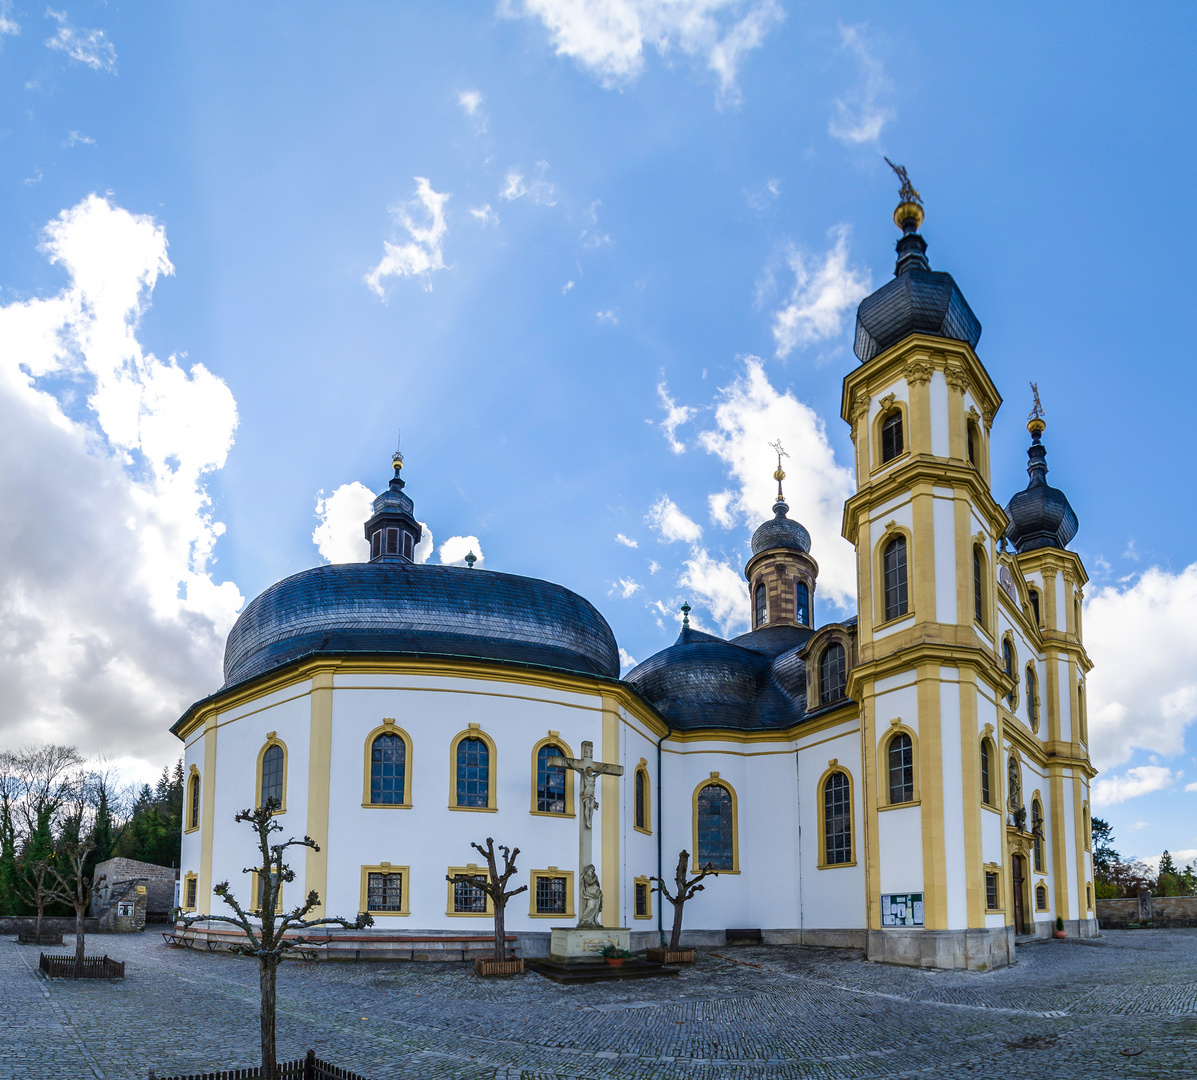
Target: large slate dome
(403,608)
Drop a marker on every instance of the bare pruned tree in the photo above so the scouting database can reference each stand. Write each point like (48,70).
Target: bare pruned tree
(76,888)
(684,889)
(39,891)
(494,884)
(266,929)
(45,779)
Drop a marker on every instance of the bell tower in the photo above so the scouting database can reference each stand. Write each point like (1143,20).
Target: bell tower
(925,528)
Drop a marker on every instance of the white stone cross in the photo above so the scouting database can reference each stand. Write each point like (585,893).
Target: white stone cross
(589,770)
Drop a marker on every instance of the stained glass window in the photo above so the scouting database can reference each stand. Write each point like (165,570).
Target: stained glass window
(716,843)
(388,769)
(473,773)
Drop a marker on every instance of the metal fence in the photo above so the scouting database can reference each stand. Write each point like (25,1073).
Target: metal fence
(309,1067)
(94,967)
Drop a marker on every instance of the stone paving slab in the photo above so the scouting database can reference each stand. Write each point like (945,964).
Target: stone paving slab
(1125,1005)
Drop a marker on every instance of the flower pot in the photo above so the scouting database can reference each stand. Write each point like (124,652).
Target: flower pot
(615,961)
(1059,934)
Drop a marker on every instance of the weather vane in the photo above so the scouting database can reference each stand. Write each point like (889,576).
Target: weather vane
(906,193)
(397,456)
(780,474)
(1037,412)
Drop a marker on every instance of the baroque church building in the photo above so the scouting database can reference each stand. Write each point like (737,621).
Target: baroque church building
(913,781)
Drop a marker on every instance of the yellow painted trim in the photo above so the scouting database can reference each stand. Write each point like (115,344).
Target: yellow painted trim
(609,814)
(718,782)
(404,889)
(272,740)
(193,806)
(970,752)
(492,771)
(552,871)
(206,836)
(891,731)
(470,868)
(387,727)
(189,879)
(637,882)
(928,781)
(647,827)
(923,517)
(553,739)
(821,809)
(319,781)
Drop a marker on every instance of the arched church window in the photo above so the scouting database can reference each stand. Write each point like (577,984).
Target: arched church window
(388,769)
(832,673)
(986,782)
(1034,597)
(550,781)
(901,768)
(978,586)
(1040,897)
(837,819)
(716,827)
(891,436)
(1032,698)
(272,775)
(802,603)
(894,566)
(473,773)
(1037,830)
(1082,715)
(974,439)
(1008,667)
(762,608)
(193,802)
(642,816)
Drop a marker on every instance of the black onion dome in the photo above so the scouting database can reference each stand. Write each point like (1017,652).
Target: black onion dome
(403,608)
(702,681)
(1040,516)
(919,300)
(780,532)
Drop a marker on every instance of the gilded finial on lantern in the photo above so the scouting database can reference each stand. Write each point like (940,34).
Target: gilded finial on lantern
(779,474)
(1035,422)
(909,214)
(397,456)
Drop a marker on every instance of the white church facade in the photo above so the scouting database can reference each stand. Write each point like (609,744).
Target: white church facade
(913,781)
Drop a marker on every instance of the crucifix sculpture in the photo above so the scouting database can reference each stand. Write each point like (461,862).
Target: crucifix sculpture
(588,771)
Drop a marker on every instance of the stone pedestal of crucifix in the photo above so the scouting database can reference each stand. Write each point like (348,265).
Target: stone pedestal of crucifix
(588,939)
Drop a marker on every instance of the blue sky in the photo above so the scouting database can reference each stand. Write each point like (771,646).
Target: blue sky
(590,257)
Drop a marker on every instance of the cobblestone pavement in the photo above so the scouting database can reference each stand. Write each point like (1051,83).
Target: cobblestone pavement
(1125,1006)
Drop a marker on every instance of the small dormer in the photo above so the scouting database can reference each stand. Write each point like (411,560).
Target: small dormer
(392,531)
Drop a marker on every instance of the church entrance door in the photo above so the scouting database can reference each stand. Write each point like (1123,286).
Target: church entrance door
(1020,926)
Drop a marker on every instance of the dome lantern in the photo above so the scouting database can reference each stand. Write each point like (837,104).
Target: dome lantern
(1040,515)
(392,531)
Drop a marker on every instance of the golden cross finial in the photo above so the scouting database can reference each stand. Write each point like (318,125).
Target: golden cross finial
(906,192)
(779,474)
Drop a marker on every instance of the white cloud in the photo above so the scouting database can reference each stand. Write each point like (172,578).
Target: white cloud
(89,47)
(1141,780)
(609,316)
(675,416)
(626,659)
(1191,787)
(653,566)
(423,550)
(517,185)
(484,215)
(340,537)
(627,541)
(720,586)
(111,620)
(667,519)
(825,290)
(470,101)
(608,37)
(765,197)
(29,181)
(422,254)
(454,550)
(8,25)
(75,138)
(859,117)
(748,415)
(566,287)
(720,503)
(1142,638)
(626,587)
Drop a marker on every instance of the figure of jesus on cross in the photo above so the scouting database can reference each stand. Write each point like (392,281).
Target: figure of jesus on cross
(589,771)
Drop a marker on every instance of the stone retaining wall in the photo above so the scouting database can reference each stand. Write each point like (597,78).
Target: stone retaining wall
(26,924)
(1159,911)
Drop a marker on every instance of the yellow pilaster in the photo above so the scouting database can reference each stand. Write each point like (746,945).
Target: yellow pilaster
(971,773)
(923,513)
(931,792)
(319,779)
(868,773)
(1060,893)
(208,786)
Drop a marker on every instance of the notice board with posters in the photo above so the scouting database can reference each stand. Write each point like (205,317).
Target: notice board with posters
(902,909)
